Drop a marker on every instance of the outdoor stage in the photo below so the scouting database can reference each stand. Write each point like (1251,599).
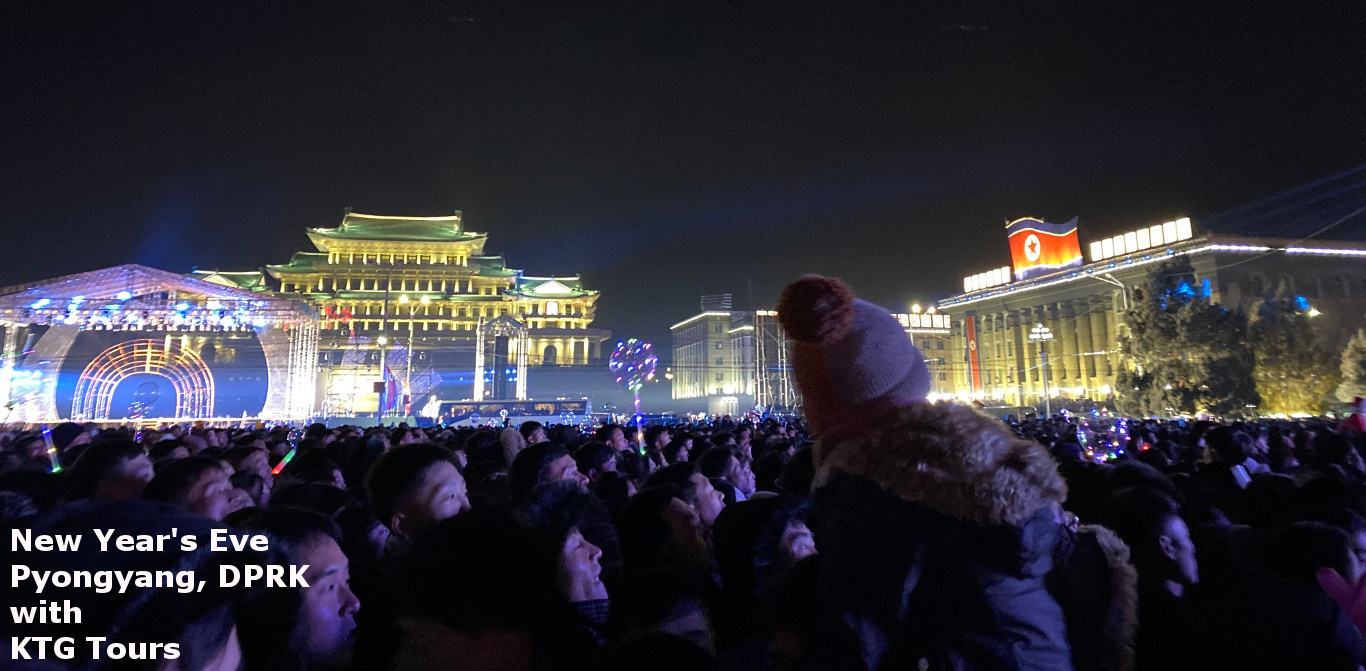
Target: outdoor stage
(130,342)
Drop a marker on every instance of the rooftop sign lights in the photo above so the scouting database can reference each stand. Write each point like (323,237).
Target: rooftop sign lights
(925,322)
(1143,238)
(991,278)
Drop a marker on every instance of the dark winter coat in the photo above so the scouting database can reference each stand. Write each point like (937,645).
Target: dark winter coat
(936,531)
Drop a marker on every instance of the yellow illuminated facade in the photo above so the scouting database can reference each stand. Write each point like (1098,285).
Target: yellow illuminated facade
(424,285)
(431,277)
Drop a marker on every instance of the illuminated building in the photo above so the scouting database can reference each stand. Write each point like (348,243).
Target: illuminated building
(1083,306)
(731,361)
(713,359)
(429,283)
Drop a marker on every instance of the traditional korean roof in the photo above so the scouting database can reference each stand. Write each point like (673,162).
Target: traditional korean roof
(357,226)
(552,287)
(493,266)
(301,262)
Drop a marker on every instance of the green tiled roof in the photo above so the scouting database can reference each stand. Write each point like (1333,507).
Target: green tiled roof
(301,262)
(355,226)
(551,286)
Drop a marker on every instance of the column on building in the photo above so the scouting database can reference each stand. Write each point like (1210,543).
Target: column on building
(1069,351)
(1086,362)
(1057,366)
(1100,339)
(1014,358)
(1033,371)
(991,373)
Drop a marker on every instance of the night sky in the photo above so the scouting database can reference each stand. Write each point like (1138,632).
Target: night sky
(662,149)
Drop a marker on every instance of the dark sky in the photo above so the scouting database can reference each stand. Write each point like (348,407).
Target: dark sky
(662,149)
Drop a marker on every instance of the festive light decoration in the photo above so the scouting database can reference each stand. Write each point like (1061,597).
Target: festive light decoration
(633,363)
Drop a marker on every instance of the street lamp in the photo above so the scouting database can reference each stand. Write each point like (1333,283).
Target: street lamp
(1041,334)
(384,380)
(408,373)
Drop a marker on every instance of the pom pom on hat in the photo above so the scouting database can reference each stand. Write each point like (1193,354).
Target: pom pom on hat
(848,356)
(817,310)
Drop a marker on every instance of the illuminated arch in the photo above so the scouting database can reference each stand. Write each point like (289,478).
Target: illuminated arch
(185,369)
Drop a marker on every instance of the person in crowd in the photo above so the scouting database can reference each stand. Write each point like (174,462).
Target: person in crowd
(728,469)
(571,517)
(757,544)
(613,436)
(693,488)
(250,457)
(412,487)
(326,619)
(594,459)
(656,438)
(1160,545)
(678,449)
(937,525)
(258,489)
(109,470)
(513,442)
(532,433)
(540,464)
(199,484)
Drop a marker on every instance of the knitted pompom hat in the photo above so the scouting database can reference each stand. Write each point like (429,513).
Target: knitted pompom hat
(849,356)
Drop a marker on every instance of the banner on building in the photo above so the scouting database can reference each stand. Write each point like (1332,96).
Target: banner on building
(974,365)
(1038,248)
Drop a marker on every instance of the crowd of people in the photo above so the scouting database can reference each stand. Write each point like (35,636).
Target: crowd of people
(880,532)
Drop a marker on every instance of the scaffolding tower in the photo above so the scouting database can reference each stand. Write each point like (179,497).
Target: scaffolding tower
(773,384)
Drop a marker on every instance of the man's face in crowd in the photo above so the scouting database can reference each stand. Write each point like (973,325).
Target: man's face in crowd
(1177,546)
(441,494)
(258,463)
(741,475)
(687,535)
(537,436)
(329,605)
(709,501)
(580,570)
(617,441)
(663,439)
(209,496)
(565,470)
(127,481)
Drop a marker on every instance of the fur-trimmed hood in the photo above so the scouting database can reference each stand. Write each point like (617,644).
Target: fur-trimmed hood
(951,459)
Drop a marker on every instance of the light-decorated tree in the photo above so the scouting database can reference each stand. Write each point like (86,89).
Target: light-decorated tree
(1292,371)
(1183,354)
(1352,368)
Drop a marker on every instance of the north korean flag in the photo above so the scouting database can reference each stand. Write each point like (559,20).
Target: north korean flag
(1038,248)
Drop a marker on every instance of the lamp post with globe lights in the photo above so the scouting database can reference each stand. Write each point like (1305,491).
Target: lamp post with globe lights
(1041,334)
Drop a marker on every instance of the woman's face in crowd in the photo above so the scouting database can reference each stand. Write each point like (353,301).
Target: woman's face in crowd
(797,542)
(329,605)
(580,570)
